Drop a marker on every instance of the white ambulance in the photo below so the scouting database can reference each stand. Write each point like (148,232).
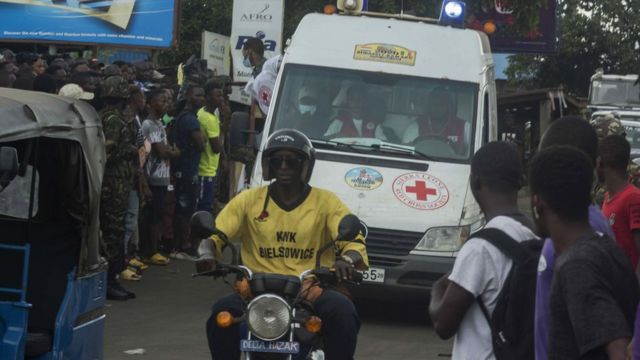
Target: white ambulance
(395,109)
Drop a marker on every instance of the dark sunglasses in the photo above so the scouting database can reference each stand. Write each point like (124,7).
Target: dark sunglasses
(292,163)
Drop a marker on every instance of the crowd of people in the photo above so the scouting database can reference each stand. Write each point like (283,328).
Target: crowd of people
(562,285)
(163,144)
(583,302)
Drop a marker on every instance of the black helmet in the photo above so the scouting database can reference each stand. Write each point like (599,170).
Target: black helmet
(293,140)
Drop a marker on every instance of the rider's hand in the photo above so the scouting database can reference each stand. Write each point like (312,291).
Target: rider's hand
(203,265)
(344,270)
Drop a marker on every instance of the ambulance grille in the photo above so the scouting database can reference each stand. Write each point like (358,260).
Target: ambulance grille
(392,242)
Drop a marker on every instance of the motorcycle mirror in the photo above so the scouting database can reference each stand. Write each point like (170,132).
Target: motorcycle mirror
(349,227)
(202,225)
(8,165)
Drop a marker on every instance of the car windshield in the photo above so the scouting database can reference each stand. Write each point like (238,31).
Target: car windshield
(377,112)
(621,92)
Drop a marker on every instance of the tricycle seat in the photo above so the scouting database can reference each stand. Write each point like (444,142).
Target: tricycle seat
(38,343)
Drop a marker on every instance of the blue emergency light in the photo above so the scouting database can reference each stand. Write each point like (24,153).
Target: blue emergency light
(452,13)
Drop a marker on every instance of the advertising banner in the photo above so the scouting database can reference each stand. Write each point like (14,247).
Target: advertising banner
(215,49)
(141,23)
(505,39)
(255,18)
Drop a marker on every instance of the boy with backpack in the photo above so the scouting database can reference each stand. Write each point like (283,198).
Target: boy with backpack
(497,262)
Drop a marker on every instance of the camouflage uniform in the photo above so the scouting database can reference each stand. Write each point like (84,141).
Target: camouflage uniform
(118,174)
(605,125)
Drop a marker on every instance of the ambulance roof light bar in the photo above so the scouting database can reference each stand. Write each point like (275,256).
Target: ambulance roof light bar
(452,13)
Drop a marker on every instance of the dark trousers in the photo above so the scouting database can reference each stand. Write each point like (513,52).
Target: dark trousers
(340,326)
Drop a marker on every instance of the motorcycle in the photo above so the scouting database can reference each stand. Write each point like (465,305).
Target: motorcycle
(280,323)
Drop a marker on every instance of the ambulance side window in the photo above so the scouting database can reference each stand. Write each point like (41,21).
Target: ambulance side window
(485,119)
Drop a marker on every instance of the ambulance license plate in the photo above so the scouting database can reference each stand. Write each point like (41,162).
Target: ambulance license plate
(373,275)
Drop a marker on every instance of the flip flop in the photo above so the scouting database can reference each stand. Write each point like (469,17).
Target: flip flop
(130,275)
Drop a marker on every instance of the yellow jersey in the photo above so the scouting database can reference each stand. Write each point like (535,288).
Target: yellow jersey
(210,127)
(280,240)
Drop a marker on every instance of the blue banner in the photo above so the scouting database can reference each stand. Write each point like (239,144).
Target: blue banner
(144,23)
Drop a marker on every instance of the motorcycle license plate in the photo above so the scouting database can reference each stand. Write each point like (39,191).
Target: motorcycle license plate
(279,347)
(373,275)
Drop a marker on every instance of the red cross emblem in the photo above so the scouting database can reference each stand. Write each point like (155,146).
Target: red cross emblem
(421,190)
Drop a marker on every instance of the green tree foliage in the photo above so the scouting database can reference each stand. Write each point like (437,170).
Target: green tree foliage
(593,34)
(195,17)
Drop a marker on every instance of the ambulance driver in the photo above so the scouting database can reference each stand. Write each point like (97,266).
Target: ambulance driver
(281,227)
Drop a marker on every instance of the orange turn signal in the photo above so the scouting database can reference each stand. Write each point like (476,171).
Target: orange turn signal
(489,27)
(330,9)
(313,324)
(224,319)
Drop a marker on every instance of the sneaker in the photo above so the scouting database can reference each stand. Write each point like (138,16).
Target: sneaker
(138,264)
(158,259)
(185,256)
(130,294)
(115,293)
(130,275)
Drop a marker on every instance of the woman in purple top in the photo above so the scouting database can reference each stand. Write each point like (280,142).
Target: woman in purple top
(569,131)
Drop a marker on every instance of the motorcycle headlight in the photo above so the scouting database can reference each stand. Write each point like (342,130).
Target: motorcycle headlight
(445,239)
(268,317)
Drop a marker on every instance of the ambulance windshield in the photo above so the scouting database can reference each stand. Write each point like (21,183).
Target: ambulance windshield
(373,111)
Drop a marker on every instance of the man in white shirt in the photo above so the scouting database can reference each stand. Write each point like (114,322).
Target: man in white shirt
(480,269)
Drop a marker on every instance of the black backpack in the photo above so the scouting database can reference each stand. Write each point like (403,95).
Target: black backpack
(512,320)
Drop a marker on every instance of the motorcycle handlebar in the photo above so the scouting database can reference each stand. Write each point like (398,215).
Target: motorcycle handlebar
(222,270)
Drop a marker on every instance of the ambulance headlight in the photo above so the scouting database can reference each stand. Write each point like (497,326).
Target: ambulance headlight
(445,239)
(268,317)
(452,13)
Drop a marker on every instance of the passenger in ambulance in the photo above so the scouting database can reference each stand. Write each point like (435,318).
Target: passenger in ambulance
(354,121)
(438,121)
(309,115)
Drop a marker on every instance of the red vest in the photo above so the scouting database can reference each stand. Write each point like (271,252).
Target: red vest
(453,130)
(349,127)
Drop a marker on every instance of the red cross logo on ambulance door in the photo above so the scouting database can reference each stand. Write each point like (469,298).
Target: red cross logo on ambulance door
(421,191)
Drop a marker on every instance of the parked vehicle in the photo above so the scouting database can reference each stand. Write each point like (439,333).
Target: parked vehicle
(52,291)
(620,93)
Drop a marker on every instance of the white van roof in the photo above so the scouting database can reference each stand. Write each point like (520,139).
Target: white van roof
(441,52)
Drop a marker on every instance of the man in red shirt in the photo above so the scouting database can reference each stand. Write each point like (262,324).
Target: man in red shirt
(439,121)
(622,201)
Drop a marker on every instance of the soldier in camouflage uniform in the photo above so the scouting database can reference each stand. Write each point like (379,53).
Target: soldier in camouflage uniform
(119,170)
(605,125)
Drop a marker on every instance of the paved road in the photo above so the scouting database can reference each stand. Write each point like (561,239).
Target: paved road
(167,320)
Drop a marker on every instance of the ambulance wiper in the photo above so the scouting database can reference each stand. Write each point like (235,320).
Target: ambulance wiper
(337,144)
(384,146)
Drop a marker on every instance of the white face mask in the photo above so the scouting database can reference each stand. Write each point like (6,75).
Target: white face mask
(307,109)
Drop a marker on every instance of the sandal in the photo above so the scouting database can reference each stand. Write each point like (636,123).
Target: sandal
(138,264)
(130,275)
(158,259)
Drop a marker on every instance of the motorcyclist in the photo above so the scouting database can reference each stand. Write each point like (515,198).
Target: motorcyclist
(281,227)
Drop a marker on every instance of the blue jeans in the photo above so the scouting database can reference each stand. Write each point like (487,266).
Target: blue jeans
(207,193)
